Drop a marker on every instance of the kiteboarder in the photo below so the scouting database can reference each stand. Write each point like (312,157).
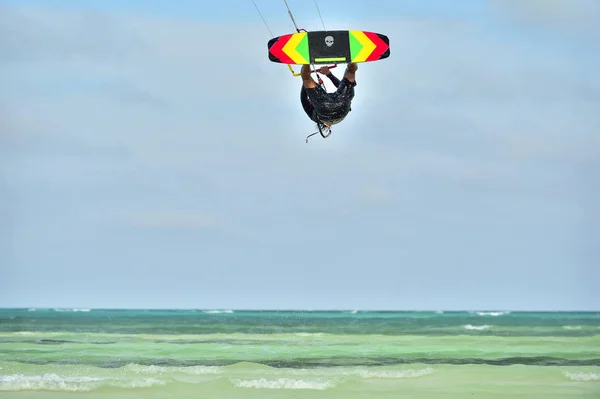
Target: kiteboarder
(327,109)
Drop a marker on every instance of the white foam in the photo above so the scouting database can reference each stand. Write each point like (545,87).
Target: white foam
(478,328)
(217,311)
(282,383)
(396,373)
(53,382)
(137,383)
(72,310)
(194,370)
(306,334)
(581,376)
(572,327)
(492,313)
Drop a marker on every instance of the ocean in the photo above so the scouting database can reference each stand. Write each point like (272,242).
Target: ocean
(229,354)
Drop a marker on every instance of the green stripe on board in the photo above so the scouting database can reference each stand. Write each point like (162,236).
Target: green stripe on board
(355,46)
(302,48)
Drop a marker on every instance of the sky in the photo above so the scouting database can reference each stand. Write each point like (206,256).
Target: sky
(151,156)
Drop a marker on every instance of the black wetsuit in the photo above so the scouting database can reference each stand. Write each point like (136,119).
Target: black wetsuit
(321,106)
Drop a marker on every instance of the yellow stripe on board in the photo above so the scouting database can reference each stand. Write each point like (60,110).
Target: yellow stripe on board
(290,48)
(368,46)
(330,59)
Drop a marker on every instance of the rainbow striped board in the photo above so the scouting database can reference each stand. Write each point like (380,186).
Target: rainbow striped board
(326,47)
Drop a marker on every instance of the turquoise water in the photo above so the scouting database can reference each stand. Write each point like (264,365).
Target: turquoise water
(50,353)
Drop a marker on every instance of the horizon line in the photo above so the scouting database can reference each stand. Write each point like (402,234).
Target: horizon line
(82,308)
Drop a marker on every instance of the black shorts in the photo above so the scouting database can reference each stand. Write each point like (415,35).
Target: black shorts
(343,95)
(329,107)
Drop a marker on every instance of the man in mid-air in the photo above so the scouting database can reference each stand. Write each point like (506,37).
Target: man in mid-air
(327,109)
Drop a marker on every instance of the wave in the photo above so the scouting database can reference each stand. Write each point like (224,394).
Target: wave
(396,373)
(152,369)
(353,361)
(217,311)
(283,383)
(495,314)
(391,361)
(53,382)
(582,377)
(572,327)
(308,334)
(477,328)
(202,321)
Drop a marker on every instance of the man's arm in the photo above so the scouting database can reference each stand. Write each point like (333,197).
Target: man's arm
(325,71)
(334,79)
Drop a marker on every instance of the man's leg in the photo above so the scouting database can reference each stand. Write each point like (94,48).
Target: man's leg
(307,80)
(350,72)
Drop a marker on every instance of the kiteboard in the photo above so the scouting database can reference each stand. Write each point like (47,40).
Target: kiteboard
(325,47)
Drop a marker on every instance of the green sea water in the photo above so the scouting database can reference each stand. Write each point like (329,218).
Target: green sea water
(82,353)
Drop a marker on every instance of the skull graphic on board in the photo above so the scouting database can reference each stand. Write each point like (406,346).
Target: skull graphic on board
(329,41)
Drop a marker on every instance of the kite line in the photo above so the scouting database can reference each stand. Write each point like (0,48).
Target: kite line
(313,65)
(297,30)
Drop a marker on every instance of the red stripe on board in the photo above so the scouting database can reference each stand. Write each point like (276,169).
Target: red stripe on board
(380,48)
(277,49)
